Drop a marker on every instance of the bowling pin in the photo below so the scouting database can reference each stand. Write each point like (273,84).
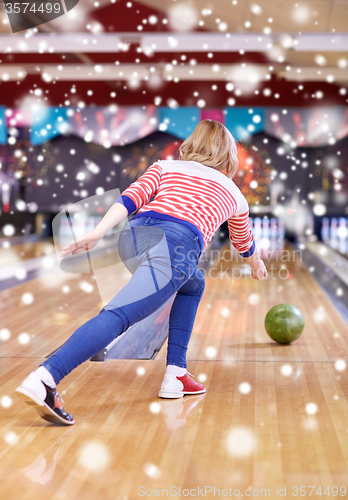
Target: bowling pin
(265,241)
(333,233)
(281,235)
(257,229)
(281,229)
(342,236)
(265,228)
(325,231)
(273,237)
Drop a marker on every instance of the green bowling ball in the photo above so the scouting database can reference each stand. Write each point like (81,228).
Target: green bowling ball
(284,323)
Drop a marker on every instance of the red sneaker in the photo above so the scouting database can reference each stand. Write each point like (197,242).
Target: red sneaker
(177,387)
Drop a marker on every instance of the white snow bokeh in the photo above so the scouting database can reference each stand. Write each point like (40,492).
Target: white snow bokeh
(319,315)
(140,371)
(311,408)
(155,407)
(225,312)
(5,334)
(47,262)
(244,388)
(94,456)
(182,17)
(202,377)
(254,299)
(27,298)
(8,230)
(86,287)
(20,273)
(11,438)
(310,423)
(286,370)
(319,209)
(211,352)
(24,338)
(301,13)
(6,402)
(340,365)
(256,9)
(241,442)
(151,470)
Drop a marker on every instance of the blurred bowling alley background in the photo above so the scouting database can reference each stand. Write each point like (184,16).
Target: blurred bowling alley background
(295,181)
(88,101)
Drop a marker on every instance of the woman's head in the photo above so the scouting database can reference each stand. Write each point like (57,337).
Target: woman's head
(213,145)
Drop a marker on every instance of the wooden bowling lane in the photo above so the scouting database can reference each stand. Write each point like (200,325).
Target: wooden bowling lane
(286,431)
(272,416)
(42,313)
(230,319)
(16,253)
(229,323)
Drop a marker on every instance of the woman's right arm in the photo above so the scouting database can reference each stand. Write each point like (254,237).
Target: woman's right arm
(113,216)
(134,197)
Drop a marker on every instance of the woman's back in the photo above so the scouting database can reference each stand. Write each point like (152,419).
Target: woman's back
(194,194)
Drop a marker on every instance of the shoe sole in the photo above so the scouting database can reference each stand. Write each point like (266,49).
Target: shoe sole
(176,395)
(41,407)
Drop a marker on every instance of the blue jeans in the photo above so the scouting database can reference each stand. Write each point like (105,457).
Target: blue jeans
(163,258)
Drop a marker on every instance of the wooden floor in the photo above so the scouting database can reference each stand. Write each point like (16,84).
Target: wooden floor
(273,416)
(16,253)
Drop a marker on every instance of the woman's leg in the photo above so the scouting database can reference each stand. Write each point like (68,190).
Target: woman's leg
(86,341)
(182,317)
(177,383)
(157,278)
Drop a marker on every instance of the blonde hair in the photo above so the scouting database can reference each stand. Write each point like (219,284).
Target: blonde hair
(212,144)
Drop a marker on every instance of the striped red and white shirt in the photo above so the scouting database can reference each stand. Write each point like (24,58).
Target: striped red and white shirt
(195,195)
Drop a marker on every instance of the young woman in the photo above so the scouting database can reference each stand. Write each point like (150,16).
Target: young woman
(161,246)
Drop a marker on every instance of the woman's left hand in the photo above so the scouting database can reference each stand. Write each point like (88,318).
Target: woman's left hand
(82,244)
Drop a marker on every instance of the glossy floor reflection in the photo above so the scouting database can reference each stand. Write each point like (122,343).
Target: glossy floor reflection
(261,424)
(273,416)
